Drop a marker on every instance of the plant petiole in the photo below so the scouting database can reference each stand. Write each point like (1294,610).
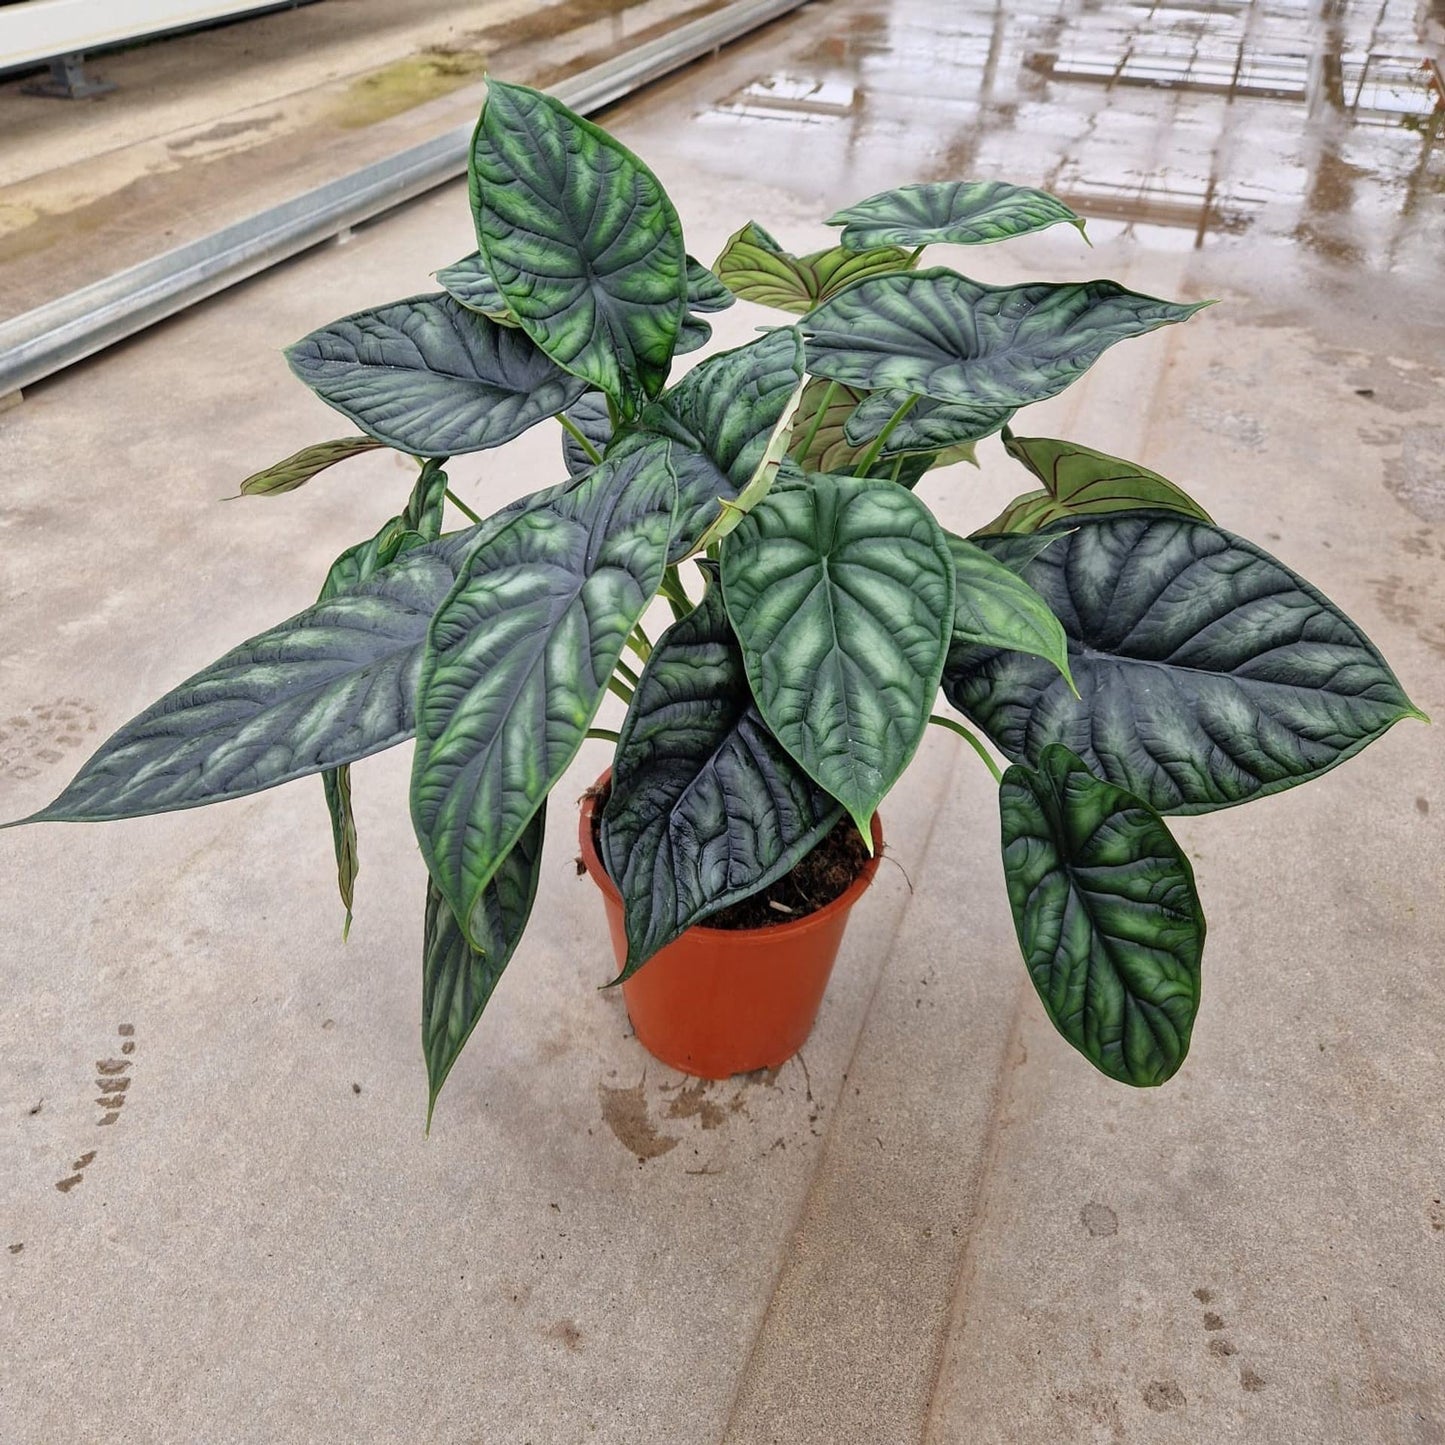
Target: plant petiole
(972,740)
(461,506)
(571,426)
(827,400)
(872,454)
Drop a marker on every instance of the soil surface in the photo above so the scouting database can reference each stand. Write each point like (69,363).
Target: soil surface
(821,876)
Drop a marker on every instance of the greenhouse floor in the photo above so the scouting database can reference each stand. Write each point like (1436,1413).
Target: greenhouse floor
(938,1224)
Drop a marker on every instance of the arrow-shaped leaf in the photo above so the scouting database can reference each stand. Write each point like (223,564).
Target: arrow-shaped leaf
(1210,673)
(582,242)
(457,980)
(590,416)
(756,268)
(935,333)
(300,467)
(1107,917)
(840,590)
(1079,481)
(707,808)
(927,426)
(705,292)
(470,282)
(960,213)
(995,607)
(518,660)
(430,377)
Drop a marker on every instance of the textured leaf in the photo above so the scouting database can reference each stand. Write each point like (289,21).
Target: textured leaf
(470,282)
(960,213)
(719,419)
(457,979)
(1107,917)
(518,660)
(1211,674)
(430,377)
(336,787)
(707,808)
(589,415)
(419,523)
(300,467)
(840,591)
(995,607)
(757,269)
(704,291)
(693,335)
(582,242)
(333,684)
(938,334)
(1079,481)
(927,426)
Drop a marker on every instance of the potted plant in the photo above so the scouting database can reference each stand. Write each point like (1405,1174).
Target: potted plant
(1130,658)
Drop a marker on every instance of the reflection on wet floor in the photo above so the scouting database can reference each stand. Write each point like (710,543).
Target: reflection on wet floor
(1187,124)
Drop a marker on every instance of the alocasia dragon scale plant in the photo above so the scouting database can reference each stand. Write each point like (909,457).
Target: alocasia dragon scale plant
(1129,656)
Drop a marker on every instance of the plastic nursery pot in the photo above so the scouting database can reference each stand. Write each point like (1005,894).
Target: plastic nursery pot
(721,1001)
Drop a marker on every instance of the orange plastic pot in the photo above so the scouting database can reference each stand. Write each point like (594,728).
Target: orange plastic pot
(721,1001)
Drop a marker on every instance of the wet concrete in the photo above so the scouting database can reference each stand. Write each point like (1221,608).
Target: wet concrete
(946,1229)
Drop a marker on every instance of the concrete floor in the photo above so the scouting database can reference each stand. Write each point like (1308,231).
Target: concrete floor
(939,1225)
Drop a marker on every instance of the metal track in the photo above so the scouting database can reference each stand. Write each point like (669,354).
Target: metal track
(61,332)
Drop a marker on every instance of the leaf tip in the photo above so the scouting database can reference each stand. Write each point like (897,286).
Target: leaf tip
(346,927)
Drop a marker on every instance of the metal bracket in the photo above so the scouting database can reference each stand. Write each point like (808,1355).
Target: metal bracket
(68,81)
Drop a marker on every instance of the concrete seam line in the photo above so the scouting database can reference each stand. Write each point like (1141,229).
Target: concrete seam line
(61,332)
(786,1251)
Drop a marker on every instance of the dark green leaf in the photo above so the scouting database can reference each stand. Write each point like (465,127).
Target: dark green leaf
(995,607)
(333,684)
(719,419)
(693,335)
(336,787)
(961,213)
(518,660)
(1107,917)
(935,333)
(1210,673)
(470,282)
(927,426)
(704,291)
(299,468)
(707,808)
(457,980)
(840,591)
(430,377)
(1078,481)
(757,269)
(819,444)
(582,242)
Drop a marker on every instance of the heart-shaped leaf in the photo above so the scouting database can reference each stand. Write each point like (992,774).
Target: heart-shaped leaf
(707,808)
(704,291)
(693,335)
(582,242)
(719,419)
(430,377)
(935,333)
(1079,481)
(927,426)
(1211,674)
(333,684)
(960,213)
(300,467)
(1107,917)
(995,607)
(840,590)
(756,268)
(518,659)
(457,980)
(470,282)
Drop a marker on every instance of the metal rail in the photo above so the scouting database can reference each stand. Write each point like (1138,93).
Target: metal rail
(38,343)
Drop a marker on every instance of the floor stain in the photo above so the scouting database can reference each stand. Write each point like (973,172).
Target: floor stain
(1222,1349)
(692,1102)
(1416,477)
(567,1332)
(41,736)
(1161,1395)
(1251,1380)
(224,131)
(1099,1220)
(1213,1321)
(1401,602)
(625,1112)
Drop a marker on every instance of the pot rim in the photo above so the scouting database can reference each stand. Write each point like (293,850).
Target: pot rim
(844,901)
